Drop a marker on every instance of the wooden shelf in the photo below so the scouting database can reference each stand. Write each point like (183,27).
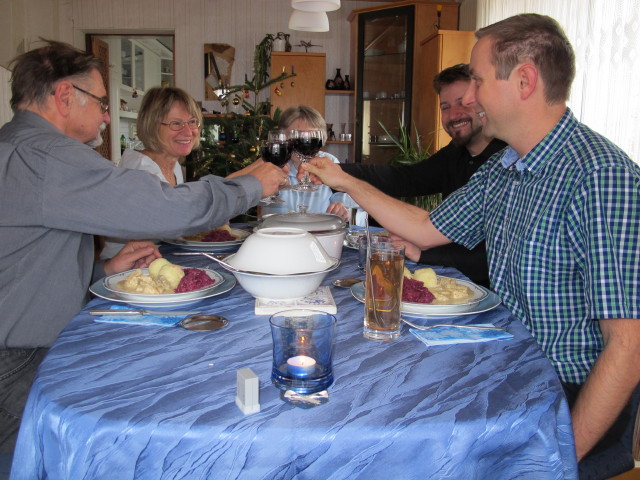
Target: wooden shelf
(339,92)
(338,142)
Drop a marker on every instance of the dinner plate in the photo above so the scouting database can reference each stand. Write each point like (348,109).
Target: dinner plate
(227,283)
(488,302)
(111,284)
(211,246)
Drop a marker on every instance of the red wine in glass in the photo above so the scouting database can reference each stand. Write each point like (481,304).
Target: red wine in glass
(277,153)
(307,146)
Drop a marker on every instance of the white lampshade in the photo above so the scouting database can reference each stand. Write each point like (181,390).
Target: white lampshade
(316,5)
(309,21)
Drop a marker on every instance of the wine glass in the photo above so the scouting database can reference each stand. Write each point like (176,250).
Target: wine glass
(276,149)
(306,143)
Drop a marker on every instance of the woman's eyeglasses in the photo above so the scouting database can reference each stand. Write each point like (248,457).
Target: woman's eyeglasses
(177,125)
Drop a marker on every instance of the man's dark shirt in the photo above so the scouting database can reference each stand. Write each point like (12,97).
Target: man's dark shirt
(444,172)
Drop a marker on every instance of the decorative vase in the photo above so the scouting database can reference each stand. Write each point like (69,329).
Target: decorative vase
(287,44)
(338,81)
(330,85)
(347,83)
(279,43)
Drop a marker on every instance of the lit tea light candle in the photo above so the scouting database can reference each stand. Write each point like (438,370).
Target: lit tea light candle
(301,365)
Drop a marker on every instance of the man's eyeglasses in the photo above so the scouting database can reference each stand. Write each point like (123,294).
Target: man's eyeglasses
(104,101)
(177,125)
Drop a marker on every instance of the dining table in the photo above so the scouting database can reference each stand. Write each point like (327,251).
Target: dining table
(128,401)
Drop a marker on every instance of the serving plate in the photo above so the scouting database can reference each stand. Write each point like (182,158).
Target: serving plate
(227,283)
(211,246)
(485,302)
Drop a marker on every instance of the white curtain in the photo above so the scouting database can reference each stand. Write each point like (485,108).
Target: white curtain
(605,35)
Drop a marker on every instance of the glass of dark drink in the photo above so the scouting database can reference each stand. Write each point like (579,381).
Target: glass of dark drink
(306,144)
(276,149)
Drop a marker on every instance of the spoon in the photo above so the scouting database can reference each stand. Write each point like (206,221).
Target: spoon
(346,282)
(204,322)
(197,321)
(418,327)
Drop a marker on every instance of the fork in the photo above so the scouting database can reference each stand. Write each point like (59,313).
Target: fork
(418,327)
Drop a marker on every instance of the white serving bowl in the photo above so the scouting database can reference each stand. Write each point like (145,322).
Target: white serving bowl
(281,251)
(327,228)
(280,287)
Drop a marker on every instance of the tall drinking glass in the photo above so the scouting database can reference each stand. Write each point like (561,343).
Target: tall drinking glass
(306,144)
(383,291)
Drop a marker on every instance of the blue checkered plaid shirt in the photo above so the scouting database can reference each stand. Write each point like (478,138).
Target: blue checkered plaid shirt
(562,226)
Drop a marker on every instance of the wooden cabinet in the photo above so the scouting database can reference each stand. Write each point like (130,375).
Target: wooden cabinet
(306,88)
(438,51)
(389,81)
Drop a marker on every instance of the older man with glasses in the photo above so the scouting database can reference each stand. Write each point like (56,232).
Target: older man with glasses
(57,192)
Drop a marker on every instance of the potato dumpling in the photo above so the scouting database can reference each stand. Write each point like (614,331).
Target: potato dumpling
(172,274)
(156,265)
(407,273)
(427,276)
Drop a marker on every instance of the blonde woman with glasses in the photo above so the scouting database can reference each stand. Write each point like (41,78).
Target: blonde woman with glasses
(169,127)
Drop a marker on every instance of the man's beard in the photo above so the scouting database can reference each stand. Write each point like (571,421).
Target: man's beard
(97,141)
(462,140)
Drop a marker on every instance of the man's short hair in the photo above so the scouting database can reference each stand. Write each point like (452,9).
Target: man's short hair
(156,104)
(36,73)
(451,75)
(535,39)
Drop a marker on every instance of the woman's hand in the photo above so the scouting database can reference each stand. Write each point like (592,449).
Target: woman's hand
(135,254)
(337,208)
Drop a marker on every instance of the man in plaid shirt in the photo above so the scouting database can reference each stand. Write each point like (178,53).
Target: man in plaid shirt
(560,212)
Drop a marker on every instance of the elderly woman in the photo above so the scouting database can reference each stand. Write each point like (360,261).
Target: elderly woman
(169,127)
(323,200)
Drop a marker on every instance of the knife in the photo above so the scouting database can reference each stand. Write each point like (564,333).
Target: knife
(108,311)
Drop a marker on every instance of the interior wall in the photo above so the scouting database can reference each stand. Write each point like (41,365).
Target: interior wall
(241,23)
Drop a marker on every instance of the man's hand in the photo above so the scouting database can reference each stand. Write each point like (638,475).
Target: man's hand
(135,254)
(411,251)
(338,208)
(270,176)
(323,170)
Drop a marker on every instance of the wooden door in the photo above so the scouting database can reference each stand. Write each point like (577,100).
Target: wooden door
(101,50)
(306,88)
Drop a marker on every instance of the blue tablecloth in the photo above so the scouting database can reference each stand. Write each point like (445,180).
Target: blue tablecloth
(127,401)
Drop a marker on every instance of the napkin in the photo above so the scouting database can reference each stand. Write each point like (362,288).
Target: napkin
(163,320)
(452,335)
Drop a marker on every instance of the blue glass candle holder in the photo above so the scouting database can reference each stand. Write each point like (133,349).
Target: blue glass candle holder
(302,350)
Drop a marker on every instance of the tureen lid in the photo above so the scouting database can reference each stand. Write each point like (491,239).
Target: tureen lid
(316,223)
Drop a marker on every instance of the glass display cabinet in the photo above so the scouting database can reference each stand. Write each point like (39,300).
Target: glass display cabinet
(385,66)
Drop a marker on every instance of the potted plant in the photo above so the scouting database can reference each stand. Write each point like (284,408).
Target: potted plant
(410,152)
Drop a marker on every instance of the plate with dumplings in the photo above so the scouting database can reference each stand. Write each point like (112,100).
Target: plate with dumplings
(162,282)
(453,296)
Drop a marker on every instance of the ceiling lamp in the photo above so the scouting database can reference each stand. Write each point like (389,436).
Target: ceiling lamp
(309,21)
(316,5)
